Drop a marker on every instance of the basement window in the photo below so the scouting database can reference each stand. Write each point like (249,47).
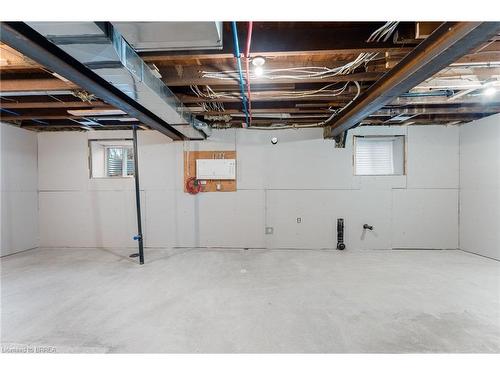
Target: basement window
(379,155)
(111,158)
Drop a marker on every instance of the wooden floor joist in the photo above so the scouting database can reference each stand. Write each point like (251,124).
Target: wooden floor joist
(284,45)
(55,104)
(48,84)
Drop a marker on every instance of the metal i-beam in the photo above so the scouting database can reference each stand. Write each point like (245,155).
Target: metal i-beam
(444,46)
(31,44)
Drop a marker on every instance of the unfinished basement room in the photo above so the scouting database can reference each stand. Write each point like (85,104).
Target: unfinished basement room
(250,186)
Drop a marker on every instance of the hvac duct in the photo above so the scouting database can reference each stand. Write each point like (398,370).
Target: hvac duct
(171,36)
(99,47)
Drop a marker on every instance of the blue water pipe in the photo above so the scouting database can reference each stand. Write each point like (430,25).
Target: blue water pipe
(237,55)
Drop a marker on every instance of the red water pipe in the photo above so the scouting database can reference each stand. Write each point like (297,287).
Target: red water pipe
(247,63)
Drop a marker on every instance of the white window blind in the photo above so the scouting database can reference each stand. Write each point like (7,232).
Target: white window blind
(111,158)
(119,161)
(375,155)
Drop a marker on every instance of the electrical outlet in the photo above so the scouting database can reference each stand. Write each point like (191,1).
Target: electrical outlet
(299,220)
(269,230)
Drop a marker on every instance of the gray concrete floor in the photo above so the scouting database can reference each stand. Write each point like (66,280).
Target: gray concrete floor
(200,300)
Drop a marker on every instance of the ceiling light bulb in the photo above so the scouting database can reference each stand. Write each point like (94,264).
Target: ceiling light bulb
(258,61)
(490,91)
(259,71)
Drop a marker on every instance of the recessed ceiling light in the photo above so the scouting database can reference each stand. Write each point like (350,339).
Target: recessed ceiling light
(259,71)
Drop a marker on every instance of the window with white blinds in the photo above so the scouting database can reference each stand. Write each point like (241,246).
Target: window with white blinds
(119,161)
(111,158)
(379,155)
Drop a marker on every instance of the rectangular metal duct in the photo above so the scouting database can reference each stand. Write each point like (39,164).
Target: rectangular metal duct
(171,36)
(101,48)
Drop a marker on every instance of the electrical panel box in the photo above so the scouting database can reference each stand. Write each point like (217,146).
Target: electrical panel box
(216,169)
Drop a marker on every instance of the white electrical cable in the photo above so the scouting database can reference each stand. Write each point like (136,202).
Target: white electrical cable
(300,73)
(314,125)
(381,34)
(321,92)
(207,106)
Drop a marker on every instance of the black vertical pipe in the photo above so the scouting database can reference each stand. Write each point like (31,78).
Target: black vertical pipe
(138,197)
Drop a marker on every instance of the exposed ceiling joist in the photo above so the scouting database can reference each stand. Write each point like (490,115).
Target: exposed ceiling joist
(454,92)
(43,84)
(198,80)
(449,42)
(55,104)
(294,39)
(39,49)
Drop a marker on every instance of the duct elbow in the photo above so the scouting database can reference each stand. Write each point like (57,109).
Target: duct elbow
(201,126)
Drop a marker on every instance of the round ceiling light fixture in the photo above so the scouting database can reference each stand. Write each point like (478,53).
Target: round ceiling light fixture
(489,88)
(274,140)
(489,91)
(258,61)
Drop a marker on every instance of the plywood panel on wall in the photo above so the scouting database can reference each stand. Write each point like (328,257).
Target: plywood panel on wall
(190,158)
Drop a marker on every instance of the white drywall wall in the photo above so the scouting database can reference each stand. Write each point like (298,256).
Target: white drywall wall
(480,186)
(19,196)
(303,176)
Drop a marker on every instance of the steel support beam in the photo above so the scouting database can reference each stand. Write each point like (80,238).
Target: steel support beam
(31,44)
(138,237)
(444,46)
